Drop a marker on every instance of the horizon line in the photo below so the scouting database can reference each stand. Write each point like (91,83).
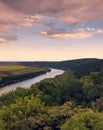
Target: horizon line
(51,60)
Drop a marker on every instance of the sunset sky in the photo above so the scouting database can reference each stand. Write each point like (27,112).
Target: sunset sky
(50,30)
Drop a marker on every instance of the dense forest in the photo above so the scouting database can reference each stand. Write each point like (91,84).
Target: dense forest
(66,102)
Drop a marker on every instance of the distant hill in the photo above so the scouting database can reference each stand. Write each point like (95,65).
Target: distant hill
(79,66)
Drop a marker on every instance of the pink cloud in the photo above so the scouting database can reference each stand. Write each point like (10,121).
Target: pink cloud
(25,13)
(76,34)
(6,38)
(11,19)
(71,12)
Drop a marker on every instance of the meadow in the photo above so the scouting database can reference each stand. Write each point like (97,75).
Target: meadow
(17,70)
(13,74)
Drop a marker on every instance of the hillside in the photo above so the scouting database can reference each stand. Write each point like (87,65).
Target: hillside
(79,66)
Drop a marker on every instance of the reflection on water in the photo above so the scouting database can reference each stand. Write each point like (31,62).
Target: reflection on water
(29,82)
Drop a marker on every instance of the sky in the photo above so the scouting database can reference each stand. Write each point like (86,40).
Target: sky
(50,30)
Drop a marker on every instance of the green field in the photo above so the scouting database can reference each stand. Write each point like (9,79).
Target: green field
(11,68)
(13,74)
(17,70)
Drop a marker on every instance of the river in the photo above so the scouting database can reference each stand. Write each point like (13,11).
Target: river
(29,82)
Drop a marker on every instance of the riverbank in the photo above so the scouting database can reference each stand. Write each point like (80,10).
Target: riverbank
(27,83)
(15,74)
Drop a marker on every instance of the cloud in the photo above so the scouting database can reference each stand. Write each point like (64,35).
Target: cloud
(76,34)
(7,38)
(71,12)
(11,19)
(90,29)
(99,31)
(53,18)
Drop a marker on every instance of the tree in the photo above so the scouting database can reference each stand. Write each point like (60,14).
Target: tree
(84,121)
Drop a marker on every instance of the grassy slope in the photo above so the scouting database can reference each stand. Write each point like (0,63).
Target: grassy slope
(13,74)
(17,70)
(11,67)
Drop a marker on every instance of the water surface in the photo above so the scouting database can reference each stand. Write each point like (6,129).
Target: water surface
(29,82)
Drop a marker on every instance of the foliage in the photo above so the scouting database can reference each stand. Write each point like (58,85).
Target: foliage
(84,121)
(62,103)
(93,86)
(20,114)
(30,114)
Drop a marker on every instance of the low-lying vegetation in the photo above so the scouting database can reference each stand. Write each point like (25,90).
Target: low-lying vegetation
(62,103)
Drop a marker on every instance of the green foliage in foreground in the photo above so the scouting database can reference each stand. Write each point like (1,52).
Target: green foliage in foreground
(62,103)
(84,121)
(30,114)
